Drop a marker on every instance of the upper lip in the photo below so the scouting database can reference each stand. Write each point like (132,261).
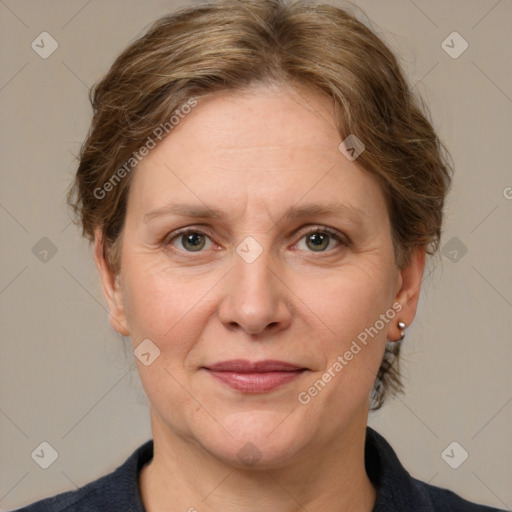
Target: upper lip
(244,366)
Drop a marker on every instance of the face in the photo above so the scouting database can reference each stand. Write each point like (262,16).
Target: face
(255,256)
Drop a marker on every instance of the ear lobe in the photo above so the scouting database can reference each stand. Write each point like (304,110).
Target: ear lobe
(408,294)
(111,288)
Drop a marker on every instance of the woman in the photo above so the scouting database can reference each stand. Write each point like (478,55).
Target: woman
(262,189)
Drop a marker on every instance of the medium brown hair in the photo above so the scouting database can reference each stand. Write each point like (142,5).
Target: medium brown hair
(230,45)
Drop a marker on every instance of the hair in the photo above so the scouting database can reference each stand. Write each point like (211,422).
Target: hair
(230,45)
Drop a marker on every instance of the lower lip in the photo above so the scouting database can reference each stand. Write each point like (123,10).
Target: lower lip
(255,382)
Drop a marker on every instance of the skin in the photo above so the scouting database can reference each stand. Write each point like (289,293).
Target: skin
(255,154)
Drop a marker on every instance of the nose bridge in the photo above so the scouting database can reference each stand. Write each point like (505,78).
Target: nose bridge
(252,265)
(254,297)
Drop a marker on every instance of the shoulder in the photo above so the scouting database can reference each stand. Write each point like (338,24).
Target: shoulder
(398,491)
(448,501)
(118,490)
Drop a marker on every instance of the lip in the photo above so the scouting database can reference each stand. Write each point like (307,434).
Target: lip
(255,376)
(244,366)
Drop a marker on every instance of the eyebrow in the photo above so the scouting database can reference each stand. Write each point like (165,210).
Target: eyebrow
(295,212)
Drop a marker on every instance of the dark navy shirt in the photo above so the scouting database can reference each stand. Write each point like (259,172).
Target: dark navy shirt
(397,491)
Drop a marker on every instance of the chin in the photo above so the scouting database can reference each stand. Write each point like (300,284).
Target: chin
(259,440)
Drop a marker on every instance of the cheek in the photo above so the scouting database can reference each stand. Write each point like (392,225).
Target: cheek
(168,311)
(165,307)
(354,298)
(354,307)
(357,308)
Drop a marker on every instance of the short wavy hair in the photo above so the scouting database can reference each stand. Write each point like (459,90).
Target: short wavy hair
(230,45)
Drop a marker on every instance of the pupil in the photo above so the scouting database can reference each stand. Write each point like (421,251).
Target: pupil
(194,241)
(318,240)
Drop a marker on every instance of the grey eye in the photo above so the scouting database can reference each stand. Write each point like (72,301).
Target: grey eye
(191,241)
(318,241)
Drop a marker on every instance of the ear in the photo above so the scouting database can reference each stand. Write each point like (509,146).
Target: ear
(408,293)
(111,288)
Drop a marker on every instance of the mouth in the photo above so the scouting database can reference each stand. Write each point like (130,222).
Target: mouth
(255,376)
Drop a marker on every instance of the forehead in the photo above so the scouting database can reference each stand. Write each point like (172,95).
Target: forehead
(267,122)
(267,145)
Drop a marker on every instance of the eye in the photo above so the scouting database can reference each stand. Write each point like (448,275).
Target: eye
(320,239)
(190,240)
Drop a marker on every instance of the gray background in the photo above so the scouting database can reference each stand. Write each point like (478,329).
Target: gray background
(66,378)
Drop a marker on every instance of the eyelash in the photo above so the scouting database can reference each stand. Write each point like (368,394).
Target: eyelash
(318,229)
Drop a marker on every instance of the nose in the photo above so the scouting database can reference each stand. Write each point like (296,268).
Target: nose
(256,299)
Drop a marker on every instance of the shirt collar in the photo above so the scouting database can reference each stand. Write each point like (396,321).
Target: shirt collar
(396,489)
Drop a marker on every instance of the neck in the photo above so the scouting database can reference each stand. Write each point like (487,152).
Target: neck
(184,476)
